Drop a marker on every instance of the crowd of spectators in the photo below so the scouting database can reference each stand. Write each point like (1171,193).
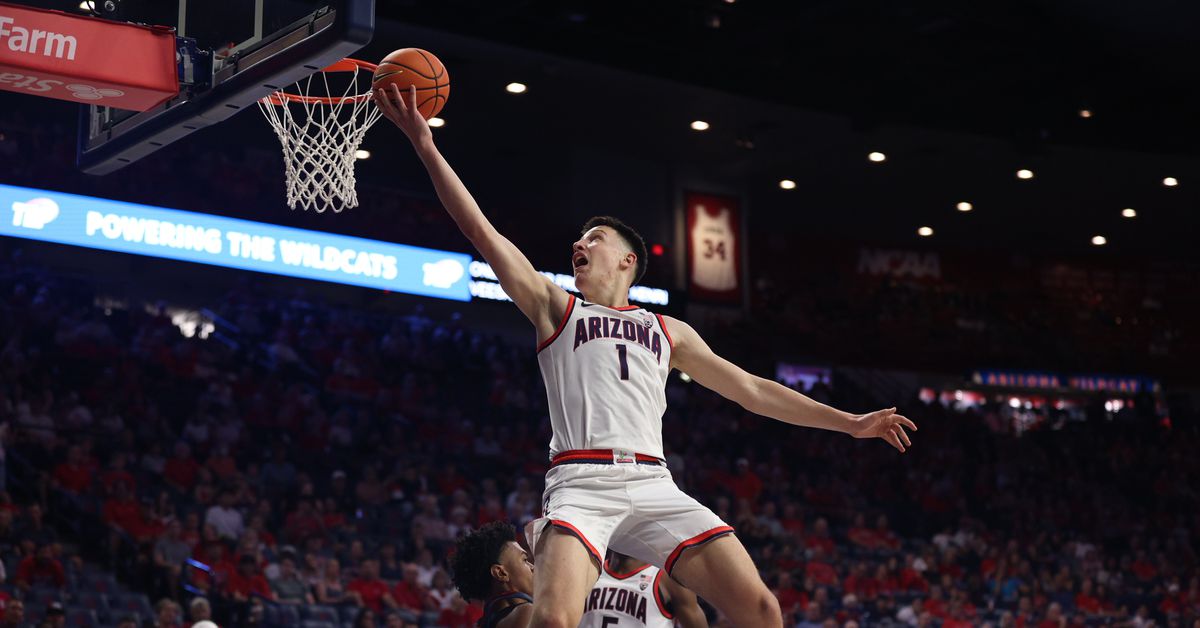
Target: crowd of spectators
(321,463)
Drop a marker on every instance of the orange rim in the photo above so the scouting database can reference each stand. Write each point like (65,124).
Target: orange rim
(281,98)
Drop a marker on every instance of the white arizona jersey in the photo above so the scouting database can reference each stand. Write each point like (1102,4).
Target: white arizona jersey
(632,599)
(713,264)
(606,374)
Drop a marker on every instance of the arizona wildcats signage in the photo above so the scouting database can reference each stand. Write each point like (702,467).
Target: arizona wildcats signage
(230,242)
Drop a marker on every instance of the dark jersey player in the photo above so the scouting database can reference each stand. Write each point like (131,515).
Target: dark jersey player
(488,565)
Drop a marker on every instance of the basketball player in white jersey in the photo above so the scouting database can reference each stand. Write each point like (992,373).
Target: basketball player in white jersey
(634,594)
(605,364)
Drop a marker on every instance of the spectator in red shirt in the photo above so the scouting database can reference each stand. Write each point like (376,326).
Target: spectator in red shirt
(820,571)
(1143,568)
(910,578)
(860,535)
(122,510)
(74,475)
(41,568)
(1054,617)
(180,471)
(885,582)
(221,463)
(746,483)
(791,520)
(884,537)
(819,537)
(246,581)
(1085,601)
(409,594)
(791,601)
(303,522)
(368,590)
(460,614)
(117,473)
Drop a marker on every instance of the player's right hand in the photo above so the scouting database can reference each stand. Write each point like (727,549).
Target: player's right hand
(403,112)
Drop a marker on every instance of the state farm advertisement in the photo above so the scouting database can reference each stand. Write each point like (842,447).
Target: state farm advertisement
(86,59)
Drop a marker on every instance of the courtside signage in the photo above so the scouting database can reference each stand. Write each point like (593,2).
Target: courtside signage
(86,59)
(218,241)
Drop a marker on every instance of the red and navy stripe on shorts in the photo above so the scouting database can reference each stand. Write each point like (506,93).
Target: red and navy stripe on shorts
(699,539)
(598,456)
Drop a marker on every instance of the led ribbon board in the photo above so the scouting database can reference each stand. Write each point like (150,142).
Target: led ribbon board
(232,243)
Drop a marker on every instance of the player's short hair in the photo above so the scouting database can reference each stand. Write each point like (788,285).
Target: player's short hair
(474,555)
(628,234)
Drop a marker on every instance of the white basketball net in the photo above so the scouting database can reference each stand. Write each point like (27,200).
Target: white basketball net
(320,140)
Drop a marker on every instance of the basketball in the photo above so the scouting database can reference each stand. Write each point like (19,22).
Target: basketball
(413,66)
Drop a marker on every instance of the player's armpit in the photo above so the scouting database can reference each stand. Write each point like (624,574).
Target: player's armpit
(684,604)
(538,298)
(691,355)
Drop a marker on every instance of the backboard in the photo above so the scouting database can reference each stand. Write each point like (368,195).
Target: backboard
(230,53)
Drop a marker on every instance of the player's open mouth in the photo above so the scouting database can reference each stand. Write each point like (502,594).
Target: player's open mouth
(579,260)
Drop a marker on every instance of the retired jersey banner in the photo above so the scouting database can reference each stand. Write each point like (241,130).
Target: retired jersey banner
(714,247)
(85,59)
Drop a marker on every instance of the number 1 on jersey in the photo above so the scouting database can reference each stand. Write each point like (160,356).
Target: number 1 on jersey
(621,353)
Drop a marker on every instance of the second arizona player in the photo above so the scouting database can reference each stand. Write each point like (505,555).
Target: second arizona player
(605,364)
(632,594)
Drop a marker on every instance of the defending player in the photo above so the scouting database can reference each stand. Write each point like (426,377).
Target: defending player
(605,365)
(488,565)
(633,594)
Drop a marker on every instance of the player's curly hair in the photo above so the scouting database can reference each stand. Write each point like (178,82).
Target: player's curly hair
(474,555)
(627,233)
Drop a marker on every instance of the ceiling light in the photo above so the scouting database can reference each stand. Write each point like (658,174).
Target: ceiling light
(925,232)
(877,157)
(787,184)
(1085,113)
(1170,182)
(685,377)
(965,206)
(362,154)
(515,88)
(436,122)
(1129,212)
(1024,174)
(1099,240)
(699,125)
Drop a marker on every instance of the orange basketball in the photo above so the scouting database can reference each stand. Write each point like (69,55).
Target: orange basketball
(413,66)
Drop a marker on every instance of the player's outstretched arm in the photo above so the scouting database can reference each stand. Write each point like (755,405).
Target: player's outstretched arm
(683,603)
(693,356)
(538,298)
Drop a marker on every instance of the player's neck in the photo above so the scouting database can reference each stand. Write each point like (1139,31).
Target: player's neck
(609,297)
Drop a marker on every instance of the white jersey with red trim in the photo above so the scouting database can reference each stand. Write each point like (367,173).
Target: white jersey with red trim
(606,371)
(627,600)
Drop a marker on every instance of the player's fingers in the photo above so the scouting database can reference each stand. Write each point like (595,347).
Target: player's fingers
(398,99)
(903,436)
(907,423)
(412,97)
(384,103)
(892,440)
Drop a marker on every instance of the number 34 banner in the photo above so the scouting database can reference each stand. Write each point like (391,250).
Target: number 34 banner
(714,247)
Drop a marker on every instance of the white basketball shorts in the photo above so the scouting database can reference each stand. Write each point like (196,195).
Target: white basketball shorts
(636,509)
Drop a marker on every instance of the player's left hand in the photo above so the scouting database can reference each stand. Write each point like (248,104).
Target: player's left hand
(402,110)
(885,424)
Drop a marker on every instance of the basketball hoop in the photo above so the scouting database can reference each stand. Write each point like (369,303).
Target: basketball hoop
(320,134)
